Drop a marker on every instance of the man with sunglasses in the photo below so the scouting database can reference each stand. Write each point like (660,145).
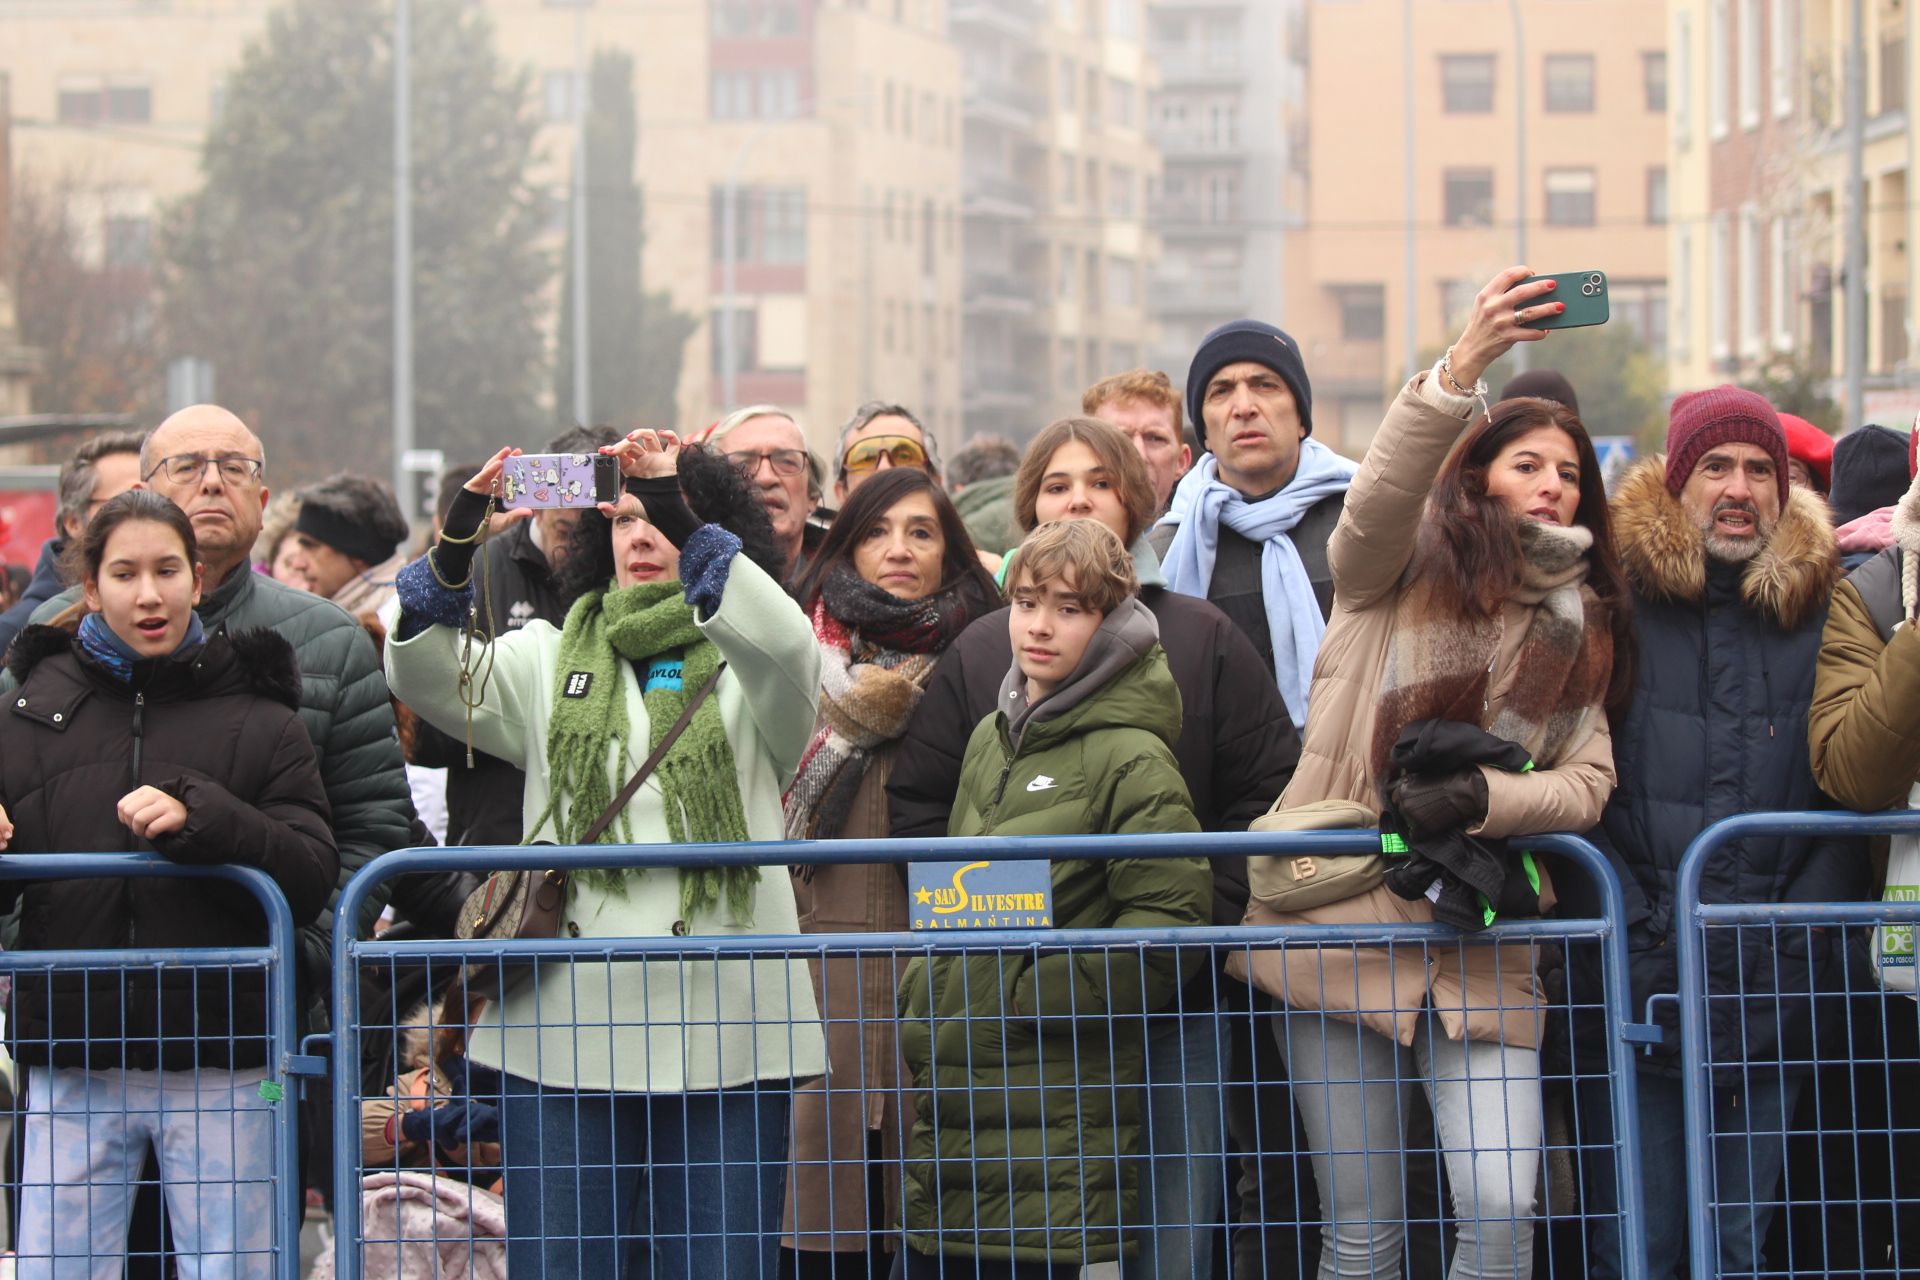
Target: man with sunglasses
(765,443)
(877,436)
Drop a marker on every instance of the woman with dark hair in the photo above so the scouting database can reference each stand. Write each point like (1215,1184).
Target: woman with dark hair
(645,1108)
(893,584)
(134,729)
(1479,637)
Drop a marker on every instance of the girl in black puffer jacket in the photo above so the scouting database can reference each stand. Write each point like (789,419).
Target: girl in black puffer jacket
(137,731)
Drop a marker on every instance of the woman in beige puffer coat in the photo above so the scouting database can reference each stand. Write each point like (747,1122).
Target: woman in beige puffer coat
(1474,581)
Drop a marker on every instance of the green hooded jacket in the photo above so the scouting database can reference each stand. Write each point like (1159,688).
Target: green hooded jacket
(1026,1066)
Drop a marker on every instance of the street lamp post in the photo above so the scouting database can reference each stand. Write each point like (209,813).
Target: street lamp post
(402,243)
(582,336)
(1521,356)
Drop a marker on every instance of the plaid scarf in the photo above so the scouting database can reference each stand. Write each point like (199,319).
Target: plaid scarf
(698,780)
(878,652)
(1439,667)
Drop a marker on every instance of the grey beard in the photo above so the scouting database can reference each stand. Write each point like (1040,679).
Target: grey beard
(1735,550)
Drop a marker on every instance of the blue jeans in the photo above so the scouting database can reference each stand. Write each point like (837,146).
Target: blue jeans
(1183,1196)
(636,1185)
(1749,1150)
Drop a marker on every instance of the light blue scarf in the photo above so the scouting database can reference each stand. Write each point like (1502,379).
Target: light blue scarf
(1201,504)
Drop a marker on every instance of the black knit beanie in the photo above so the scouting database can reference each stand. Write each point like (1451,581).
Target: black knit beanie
(1239,340)
(1869,472)
(1543,384)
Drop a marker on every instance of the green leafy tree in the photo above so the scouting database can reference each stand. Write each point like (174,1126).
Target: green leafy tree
(636,338)
(1791,385)
(280,269)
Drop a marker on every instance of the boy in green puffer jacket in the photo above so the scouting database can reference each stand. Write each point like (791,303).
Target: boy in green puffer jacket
(1026,1071)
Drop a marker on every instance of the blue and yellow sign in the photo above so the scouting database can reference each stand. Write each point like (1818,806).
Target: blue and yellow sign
(981,895)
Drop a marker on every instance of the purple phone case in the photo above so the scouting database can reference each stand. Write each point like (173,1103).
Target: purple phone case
(548,480)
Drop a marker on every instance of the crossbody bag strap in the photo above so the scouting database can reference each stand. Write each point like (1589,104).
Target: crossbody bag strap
(605,820)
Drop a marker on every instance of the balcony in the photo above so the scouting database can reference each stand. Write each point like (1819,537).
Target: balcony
(997,293)
(1356,365)
(1009,17)
(1000,102)
(1194,67)
(1178,145)
(1185,295)
(1191,217)
(999,197)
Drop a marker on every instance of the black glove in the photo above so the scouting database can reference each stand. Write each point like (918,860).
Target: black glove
(1432,804)
(465,515)
(452,1125)
(667,508)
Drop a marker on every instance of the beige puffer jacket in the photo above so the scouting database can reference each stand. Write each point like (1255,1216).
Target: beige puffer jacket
(1481,992)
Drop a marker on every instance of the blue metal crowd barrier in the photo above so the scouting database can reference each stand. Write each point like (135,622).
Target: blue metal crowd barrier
(418,1209)
(98,1109)
(1781,1013)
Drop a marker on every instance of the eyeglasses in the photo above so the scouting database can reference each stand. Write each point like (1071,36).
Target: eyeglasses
(785,462)
(186,468)
(900,451)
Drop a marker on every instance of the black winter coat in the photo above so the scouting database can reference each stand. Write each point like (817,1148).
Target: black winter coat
(1237,745)
(1718,727)
(217,729)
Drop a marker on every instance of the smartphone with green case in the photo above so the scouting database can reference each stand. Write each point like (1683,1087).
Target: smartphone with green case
(1584,292)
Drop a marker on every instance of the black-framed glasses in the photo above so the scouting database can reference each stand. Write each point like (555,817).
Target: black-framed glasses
(785,462)
(186,468)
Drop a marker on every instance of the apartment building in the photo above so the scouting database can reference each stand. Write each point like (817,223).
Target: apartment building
(1226,119)
(1459,86)
(1760,165)
(1057,164)
(836,124)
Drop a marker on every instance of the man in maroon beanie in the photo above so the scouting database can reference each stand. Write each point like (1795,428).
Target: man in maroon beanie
(1731,575)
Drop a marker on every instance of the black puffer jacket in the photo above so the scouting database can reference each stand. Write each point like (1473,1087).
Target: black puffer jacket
(216,729)
(343,703)
(1717,727)
(1237,746)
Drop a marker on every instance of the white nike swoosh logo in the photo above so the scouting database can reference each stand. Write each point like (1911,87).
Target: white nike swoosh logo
(1042,783)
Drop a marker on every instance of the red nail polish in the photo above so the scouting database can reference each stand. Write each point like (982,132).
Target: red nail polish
(1559,307)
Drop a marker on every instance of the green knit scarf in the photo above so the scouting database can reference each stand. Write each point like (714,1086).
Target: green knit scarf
(697,777)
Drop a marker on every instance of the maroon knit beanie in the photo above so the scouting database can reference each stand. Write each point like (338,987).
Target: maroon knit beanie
(1701,420)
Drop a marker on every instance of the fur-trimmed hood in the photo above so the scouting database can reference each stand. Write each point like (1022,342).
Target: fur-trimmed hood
(263,659)
(1665,556)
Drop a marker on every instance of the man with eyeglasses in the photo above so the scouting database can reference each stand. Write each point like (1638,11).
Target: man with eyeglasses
(765,443)
(212,467)
(881,435)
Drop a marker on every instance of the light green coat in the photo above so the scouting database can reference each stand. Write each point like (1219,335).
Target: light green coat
(658,1026)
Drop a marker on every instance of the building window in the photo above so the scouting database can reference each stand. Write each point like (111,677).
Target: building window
(1680,332)
(1683,91)
(732,19)
(1363,312)
(746,332)
(770,225)
(1750,85)
(1653,73)
(1120,100)
(1069,180)
(1222,193)
(1750,263)
(1780,278)
(1120,192)
(1719,103)
(1121,289)
(1569,197)
(1067,279)
(1466,83)
(91,100)
(732,95)
(1720,288)
(1657,195)
(1469,197)
(1569,81)
(1069,85)
(1780,44)
(1223,125)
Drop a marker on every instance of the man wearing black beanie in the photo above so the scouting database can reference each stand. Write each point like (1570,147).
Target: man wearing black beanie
(1248,525)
